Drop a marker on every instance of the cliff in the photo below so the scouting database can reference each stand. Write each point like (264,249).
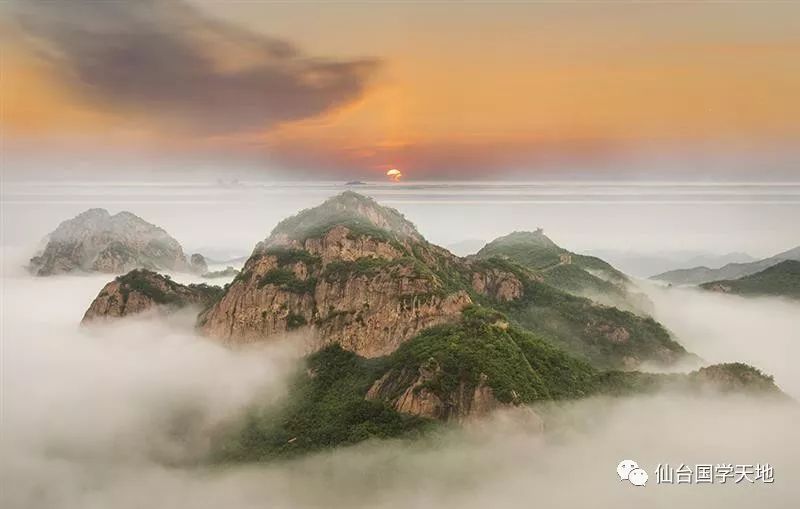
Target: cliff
(351,271)
(142,290)
(450,373)
(360,275)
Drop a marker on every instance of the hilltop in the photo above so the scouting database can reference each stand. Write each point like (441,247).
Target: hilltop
(581,275)
(354,272)
(142,290)
(96,241)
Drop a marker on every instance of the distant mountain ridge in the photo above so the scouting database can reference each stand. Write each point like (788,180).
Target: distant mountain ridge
(96,241)
(645,264)
(700,275)
(780,280)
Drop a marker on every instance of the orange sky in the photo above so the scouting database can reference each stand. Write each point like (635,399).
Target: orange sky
(496,84)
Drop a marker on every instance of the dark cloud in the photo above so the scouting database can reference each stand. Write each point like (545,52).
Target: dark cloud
(159,55)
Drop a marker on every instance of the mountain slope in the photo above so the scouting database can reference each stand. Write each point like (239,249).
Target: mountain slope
(358,274)
(142,290)
(449,373)
(354,272)
(781,280)
(580,275)
(605,336)
(96,241)
(700,275)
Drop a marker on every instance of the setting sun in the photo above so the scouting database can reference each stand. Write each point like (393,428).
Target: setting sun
(394,174)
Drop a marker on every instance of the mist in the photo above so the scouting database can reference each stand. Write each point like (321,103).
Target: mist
(762,331)
(208,215)
(125,414)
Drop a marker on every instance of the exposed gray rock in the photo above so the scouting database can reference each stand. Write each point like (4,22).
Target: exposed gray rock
(96,241)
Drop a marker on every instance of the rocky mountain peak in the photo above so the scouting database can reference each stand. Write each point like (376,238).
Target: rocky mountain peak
(349,209)
(142,290)
(96,241)
(354,272)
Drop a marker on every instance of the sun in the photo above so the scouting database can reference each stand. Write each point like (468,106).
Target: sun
(394,175)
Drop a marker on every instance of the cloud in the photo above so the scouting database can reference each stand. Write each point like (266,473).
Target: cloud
(122,416)
(727,328)
(193,72)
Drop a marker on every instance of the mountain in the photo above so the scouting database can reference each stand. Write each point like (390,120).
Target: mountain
(407,334)
(354,272)
(581,275)
(700,275)
(142,290)
(781,280)
(96,241)
(360,275)
(449,373)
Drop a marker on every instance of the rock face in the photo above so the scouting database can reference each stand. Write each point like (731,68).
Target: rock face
(499,285)
(353,272)
(142,290)
(580,275)
(409,392)
(358,274)
(96,241)
(197,264)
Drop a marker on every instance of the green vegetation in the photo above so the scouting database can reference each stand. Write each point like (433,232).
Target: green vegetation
(149,283)
(326,405)
(141,281)
(519,366)
(578,275)
(604,336)
(209,293)
(346,210)
(294,321)
(227,272)
(325,408)
(529,249)
(365,266)
(734,377)
(781,280)
(573,279)
(286,256)
(595,265)
(287,280)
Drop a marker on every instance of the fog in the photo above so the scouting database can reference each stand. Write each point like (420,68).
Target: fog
(123,415)
(762,331)
(226,218)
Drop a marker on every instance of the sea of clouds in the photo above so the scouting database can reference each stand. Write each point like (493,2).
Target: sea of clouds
(123,416)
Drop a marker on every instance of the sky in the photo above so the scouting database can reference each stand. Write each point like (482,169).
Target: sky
(440,90)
